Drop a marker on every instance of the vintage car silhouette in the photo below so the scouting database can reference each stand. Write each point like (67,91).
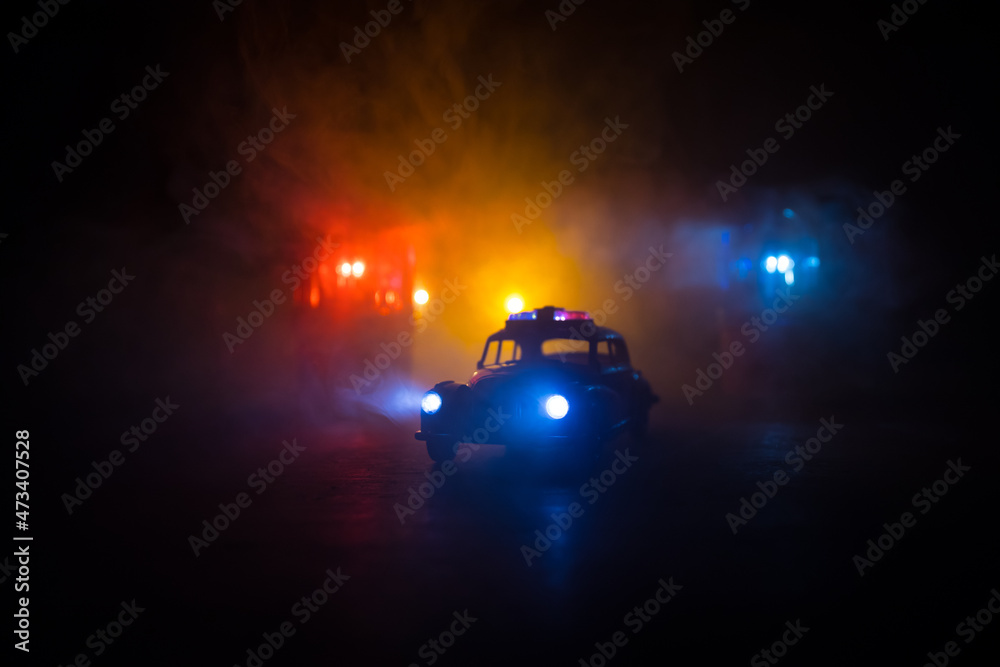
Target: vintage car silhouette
(550,378)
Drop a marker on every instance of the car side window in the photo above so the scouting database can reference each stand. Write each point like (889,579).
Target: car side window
(490,354)
(509,351)
(605,353)
(620,352)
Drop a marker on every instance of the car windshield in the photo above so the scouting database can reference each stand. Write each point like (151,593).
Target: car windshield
(511,351)
(566,350)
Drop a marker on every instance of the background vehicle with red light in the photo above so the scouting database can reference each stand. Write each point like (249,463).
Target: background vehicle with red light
(358,300)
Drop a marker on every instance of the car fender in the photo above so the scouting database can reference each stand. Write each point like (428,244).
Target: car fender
(456,402)
(604,407)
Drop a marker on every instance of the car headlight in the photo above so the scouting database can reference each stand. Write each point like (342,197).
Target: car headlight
(431,402)
(556,406)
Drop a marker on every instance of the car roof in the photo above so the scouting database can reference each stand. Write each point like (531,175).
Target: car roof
(556,330)
(544,325)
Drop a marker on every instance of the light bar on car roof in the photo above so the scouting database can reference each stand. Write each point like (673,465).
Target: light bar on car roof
(561,315)
(549,313)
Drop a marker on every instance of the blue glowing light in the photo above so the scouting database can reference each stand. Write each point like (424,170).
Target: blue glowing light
(431,402)
(556,406)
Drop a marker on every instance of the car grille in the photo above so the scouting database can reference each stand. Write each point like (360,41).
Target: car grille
(500,396)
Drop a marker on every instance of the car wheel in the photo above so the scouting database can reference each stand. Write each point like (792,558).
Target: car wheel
(440,450)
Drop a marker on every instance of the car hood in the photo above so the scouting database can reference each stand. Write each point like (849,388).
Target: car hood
(542,372)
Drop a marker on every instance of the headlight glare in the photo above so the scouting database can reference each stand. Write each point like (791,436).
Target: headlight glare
(431,402)
(556,406)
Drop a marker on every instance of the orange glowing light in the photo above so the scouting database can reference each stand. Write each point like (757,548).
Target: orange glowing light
(390,297)
(314,295)
(421,296)
(345,269)
(358,269)
(514,303)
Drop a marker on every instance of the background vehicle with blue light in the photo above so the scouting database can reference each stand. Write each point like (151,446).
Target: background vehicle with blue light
(550,377)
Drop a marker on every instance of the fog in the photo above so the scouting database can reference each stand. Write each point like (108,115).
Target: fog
(571,165)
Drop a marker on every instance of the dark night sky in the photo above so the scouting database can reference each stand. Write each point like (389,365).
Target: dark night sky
(890,96)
